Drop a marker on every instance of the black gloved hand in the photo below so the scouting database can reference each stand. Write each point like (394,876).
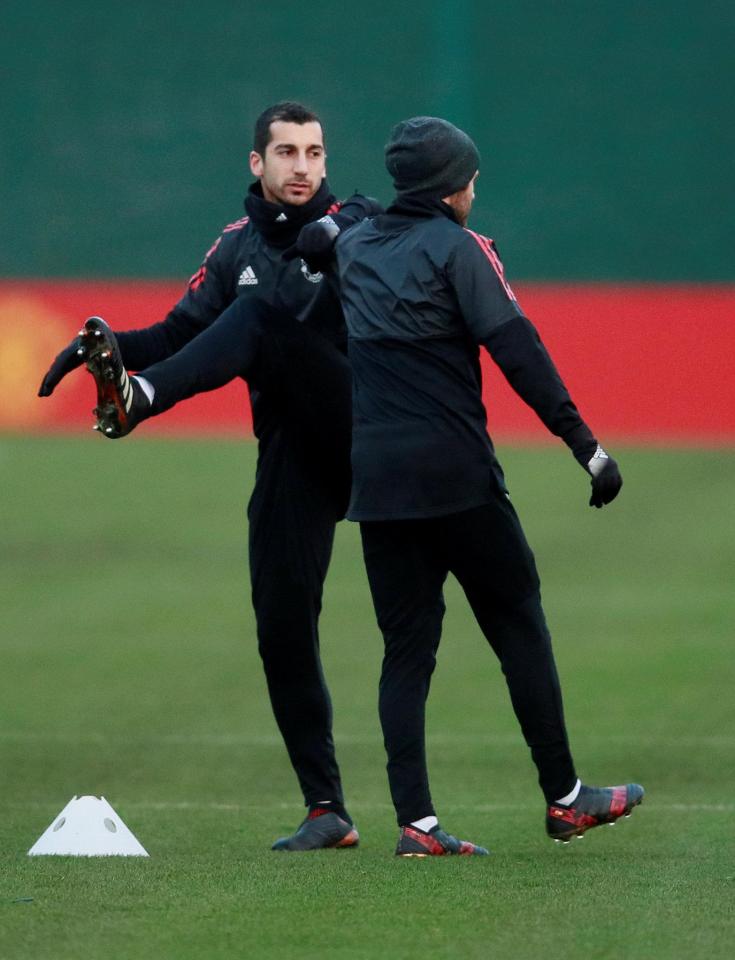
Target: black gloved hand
(606,479)
(69,359)
(315,244)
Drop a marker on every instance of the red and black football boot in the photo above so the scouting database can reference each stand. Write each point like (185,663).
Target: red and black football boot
(121,402)
(413,842)
(593,807)
(321,830)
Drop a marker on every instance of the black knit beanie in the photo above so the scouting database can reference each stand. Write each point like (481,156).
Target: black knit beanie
(430,155)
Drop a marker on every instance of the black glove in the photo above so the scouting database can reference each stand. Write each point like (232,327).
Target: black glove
(606,479)
(315,244)
(69,359)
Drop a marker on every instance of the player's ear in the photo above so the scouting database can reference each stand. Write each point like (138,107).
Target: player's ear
(256,164)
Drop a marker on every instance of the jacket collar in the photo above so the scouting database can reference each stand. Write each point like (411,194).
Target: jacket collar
(421,205)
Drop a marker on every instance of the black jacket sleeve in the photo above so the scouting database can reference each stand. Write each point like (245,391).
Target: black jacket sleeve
(210,291)
(517,349)
(495,320)
(355,208)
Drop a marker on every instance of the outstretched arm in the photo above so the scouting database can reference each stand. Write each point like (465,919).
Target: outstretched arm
(517,349)
(497,322)
(208,293)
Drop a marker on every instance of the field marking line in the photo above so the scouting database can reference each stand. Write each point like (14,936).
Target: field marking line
(274,739)
(380,805)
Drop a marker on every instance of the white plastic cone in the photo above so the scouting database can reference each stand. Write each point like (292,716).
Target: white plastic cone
(87,827)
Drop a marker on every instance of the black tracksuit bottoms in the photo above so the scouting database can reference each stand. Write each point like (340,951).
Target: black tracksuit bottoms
(301,387)
(407,562)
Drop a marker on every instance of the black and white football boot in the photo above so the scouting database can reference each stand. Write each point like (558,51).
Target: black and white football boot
(121,401)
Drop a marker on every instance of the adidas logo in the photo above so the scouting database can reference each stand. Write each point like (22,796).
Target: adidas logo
(247,277)
(281,217)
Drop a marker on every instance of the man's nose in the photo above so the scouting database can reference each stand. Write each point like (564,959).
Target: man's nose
(301,166)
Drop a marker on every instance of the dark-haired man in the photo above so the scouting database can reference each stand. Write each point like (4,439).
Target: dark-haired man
(421,293)
(251,312)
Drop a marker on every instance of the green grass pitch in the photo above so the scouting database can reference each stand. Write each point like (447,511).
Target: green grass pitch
(129,670)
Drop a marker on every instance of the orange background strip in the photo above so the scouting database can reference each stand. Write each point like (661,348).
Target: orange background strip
(649,363)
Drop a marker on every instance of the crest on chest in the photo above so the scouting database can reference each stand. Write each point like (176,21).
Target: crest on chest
(311,277)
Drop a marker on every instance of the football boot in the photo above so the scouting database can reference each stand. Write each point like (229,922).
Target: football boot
(413,842)
(121,401)
(321,830)
(593,807)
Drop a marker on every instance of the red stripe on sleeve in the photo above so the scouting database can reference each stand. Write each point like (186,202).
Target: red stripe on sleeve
(198,279)
(486,245)
(237,225)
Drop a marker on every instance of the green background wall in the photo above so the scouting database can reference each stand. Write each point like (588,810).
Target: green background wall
(605,128)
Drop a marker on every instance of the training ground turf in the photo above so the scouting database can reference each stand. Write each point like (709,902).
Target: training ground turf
(129,670)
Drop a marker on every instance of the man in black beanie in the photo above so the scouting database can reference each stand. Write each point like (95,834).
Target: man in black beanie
(420,294)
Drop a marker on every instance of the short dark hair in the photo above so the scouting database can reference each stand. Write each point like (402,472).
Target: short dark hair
(287,111)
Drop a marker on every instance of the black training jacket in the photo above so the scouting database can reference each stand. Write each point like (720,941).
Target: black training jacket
(247,261)
(420,293)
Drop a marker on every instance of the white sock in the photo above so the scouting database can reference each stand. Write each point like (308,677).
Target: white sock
(570,797)
(147,387)
(425,823)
